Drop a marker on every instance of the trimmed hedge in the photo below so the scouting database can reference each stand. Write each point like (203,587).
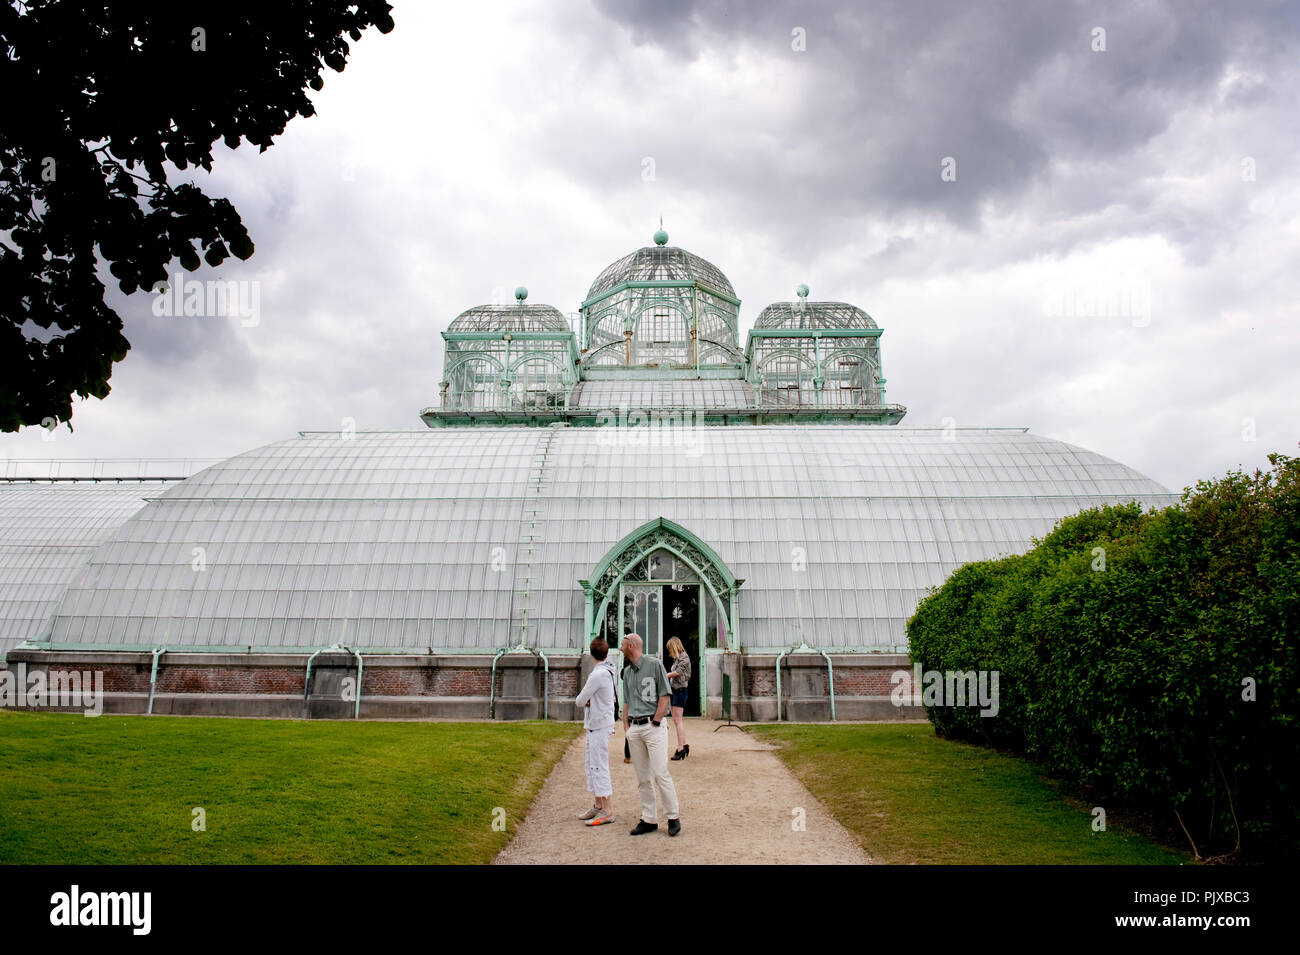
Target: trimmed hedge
(1126,643)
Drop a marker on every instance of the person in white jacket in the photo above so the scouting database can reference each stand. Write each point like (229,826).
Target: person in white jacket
(597,701)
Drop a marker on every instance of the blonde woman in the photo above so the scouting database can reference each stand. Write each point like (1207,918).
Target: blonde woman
(679,676)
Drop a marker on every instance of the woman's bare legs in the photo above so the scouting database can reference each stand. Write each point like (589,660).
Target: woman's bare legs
(677,712)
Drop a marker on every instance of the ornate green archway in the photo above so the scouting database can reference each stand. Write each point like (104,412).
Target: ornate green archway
(661,534)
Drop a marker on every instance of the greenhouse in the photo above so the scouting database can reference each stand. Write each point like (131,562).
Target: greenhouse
(629,469)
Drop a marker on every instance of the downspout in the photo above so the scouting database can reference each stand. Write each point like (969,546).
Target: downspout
(153,676)
(780,657)
(492,683)
(546,684)
(830,674)
(546,680)
(306,683)
(830,679)
(356,711)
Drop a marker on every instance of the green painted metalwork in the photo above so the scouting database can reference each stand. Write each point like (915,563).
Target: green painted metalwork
(661,534)
(265,650)
(153,677)
(306,683)
(778,682)
(660,306)
(671,528)
(546,679)
(804,648)
(830,679)
(356,710)
(667,283)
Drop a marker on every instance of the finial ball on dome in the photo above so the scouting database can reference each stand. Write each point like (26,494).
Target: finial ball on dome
(661,237)
(801,290)
(521,293)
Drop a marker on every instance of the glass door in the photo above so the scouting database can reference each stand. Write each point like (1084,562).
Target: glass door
(643,614)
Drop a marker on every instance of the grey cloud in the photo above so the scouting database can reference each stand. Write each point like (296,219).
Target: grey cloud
(893,88)
(820,167)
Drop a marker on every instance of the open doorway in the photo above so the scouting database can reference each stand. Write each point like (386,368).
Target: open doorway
(661,582)
(661,611)
(682,620)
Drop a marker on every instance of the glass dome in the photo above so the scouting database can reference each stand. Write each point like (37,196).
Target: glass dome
(661,264)
(804,314)
(46,535)
(519,317)
(396,540)
(486,369)
(661,306)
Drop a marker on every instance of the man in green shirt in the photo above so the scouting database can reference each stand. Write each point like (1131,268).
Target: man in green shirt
(645,701)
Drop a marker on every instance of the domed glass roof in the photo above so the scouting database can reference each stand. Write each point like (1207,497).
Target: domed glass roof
(661,263)
(805,314)
(390,534)
(518,317)
(46,533)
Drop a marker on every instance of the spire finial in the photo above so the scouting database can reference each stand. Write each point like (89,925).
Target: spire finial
(521,293)
(801,290)
(661,237)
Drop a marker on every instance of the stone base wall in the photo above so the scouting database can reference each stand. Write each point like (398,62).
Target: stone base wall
(443,686)
(864,684)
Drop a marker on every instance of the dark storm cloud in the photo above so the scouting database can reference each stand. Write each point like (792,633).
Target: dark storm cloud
(479,147)
(890,89)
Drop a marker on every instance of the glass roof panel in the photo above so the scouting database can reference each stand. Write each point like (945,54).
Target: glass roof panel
(655,263)
(411,539)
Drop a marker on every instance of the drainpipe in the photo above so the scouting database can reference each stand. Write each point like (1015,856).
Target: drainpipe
(306,685)
(830,679)
(356,712)
(780,657)
(546,680)
(336,648)
(546,684)
(830,674)
(492,684)
(153,676)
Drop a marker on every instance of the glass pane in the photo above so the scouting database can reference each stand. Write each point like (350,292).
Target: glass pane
(659,566)
(641,616)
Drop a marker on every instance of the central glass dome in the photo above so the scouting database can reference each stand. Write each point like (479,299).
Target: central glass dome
(661,307)
(661,263)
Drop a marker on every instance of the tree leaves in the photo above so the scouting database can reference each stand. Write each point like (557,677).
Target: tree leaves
(116,97)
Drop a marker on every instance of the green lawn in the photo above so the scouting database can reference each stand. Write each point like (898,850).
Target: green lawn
(911,797)
(122,789)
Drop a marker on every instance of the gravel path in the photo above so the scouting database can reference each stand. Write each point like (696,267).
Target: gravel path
(736,801)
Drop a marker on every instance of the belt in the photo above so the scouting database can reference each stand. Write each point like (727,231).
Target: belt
(640,720)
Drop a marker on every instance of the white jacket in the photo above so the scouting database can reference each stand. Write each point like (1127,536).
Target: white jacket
(599,692)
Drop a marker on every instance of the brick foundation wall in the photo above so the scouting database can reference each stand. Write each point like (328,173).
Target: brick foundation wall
(197,679)
(865,681)
(852,678)
(446,686)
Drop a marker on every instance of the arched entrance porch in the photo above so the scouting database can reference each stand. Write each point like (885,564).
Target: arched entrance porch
(661,581)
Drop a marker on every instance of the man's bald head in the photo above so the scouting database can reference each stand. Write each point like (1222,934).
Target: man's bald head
(632,647)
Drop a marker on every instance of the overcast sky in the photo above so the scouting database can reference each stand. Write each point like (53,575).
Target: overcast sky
(482,146)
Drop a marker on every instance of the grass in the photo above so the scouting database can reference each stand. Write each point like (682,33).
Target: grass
(911,797)
(122,789)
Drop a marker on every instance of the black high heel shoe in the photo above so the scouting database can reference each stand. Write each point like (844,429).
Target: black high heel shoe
(686,750)
(680,754)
